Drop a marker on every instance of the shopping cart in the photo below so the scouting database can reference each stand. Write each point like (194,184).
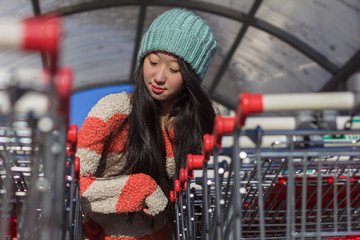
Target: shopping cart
(39,174)
(291,177)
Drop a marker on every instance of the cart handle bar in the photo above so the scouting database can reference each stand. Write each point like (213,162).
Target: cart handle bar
(265,103)
(40,33)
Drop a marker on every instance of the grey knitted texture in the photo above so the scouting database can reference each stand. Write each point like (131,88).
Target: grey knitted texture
(183,34)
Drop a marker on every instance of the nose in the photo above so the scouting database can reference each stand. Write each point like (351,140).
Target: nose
(160,76)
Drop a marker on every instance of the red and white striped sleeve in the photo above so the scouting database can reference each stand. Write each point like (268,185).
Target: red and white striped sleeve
(112,193)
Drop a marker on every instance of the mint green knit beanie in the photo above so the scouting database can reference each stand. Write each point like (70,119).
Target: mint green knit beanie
(183,34)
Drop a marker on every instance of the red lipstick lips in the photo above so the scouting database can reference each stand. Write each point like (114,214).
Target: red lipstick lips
(157,90)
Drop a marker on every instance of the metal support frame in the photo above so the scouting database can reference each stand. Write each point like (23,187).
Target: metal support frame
(247,19)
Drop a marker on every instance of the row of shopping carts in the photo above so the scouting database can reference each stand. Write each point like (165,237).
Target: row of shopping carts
(290,175)
(39,174)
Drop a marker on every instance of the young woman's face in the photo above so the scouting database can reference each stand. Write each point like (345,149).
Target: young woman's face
(162,77)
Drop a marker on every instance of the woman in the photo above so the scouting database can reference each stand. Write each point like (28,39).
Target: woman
(131,146)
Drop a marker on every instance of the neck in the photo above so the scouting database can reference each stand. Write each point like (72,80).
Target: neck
(165,108)
(166,122)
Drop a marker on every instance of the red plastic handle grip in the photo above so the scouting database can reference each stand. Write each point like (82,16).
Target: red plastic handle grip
(72,134)
(209,142)
(248,104)
(71,140)
(63,83)
(224,125)
(77,168)
(182,176)
(251,103)
(195,162)
(177,186)
(43,34)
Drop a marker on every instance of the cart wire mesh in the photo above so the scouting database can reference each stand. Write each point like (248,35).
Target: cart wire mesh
(275,177)
(39,173)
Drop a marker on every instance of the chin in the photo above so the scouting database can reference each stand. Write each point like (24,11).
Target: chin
(156,97)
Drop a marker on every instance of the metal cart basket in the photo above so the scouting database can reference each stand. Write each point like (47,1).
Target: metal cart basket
(39,174)
(275,177)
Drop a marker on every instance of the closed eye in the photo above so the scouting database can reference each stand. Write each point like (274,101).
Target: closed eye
(174,70)
(152,63)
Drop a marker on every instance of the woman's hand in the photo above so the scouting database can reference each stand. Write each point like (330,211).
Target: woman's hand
(141,190)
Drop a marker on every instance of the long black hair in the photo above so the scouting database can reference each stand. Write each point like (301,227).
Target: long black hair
(145,147)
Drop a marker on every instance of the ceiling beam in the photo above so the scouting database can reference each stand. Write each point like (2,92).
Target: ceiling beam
(298,44)
(37,12)
(138,37)
(216,9)
(195,5)
(239,37)
(36,7)
(338,81)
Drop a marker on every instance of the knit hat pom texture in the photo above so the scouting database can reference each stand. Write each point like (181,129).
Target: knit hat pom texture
(183,34)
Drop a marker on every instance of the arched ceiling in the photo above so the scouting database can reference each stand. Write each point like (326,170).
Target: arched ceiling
(269,46)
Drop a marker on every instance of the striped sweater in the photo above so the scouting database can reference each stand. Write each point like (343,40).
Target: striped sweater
(112,204)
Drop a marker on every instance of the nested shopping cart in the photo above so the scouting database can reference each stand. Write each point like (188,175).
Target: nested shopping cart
(271,177)
(39,174)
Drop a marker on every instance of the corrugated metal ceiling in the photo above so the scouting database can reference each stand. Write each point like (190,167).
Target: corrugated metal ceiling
(270,46)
